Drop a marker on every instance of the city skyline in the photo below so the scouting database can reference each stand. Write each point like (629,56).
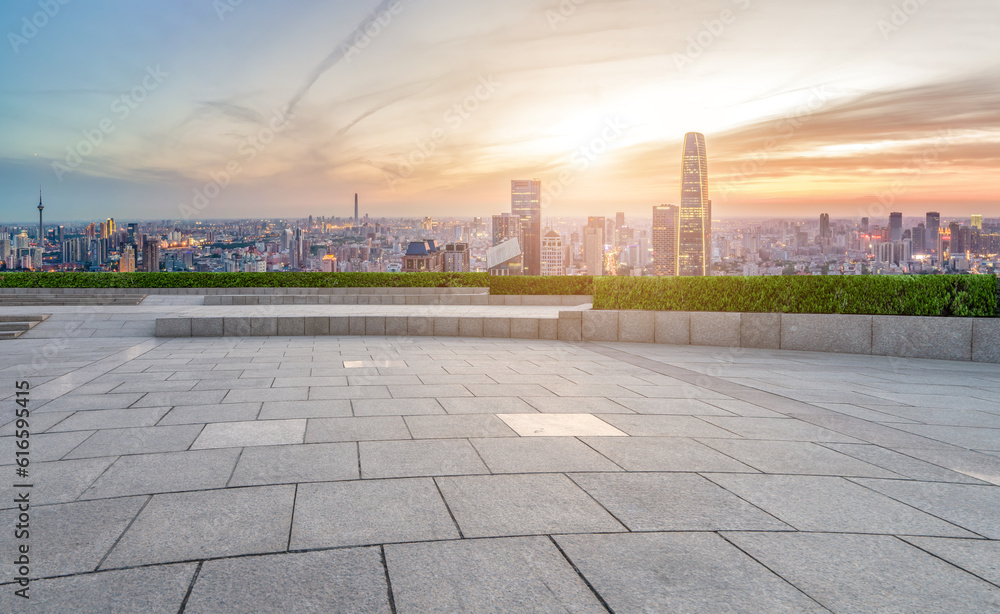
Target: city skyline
(435,107)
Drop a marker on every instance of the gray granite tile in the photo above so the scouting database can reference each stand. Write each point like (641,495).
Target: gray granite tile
(296,463)
(144,474)
(500,505)
(572,405)
(664,454)
(368,428)
(150,590)
(215,523)
(349,392)
(45,446)
(524,574)
(540,455)
(883,573)
(278,410)
(680,572)
(369,512)
(431,457)
(559,425)
(72,537)
(38,422)
(674,502)
(257,433)
(61,481)
(93,420)
(459,426)
(972,438)
(904,465)
(333,581)
(76,402)
(267,394)
(167,399)
(976,556)
(664,426)
(396,407)
(790,429)
(795,457)
(141,440)
(832,504)
(485,405)
(428,391)
(202,414)
(976,508)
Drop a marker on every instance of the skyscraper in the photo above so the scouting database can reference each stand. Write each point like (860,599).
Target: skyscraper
(976,222)
(695,211)
(526,203)
(355,210)
(666,239)
(552,254)
(593,244)
(41,227)
(932,228)
(824,225)
(895,226)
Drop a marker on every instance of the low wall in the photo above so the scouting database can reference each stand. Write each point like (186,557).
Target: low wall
(396,298)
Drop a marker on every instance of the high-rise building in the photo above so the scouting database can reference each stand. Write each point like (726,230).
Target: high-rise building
(151,254)
(355,210)
(526,203)
(594,239)
(126,263)
(864,226)
(619,225)
(457,258)
(553,254)
(976,222)
(695,210)
(895,226)
(955,232)
(933,228)
(507,226)
(666,240)
(824,225)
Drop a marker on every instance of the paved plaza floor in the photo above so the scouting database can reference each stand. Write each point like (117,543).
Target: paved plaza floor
(421,474)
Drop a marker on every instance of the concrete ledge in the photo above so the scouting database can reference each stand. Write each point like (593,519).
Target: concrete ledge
(760,330)
(316,325)
(496,327)
(445,327)
(672,327)
(263,327)
(600,326)
(173,327)
(419,326)
(715,328)
(548,328)
(375,325)
(356,325)
(206,327)
(291,326)
(917,337)
(340,325)
(637,326)
(470,327)
(840,333)
(524,328)
(986,340)
(395,326)
(236,327)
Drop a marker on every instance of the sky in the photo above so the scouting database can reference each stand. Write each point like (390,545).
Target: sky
(204,109)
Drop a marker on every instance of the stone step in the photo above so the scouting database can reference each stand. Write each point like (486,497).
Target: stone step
(14,326)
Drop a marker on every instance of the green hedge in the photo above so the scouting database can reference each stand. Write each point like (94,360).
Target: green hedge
(496,284)
(912,295)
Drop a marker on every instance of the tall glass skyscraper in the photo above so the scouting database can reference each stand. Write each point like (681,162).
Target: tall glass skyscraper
(932,228)
(696,210)
(665,240)
(526,203)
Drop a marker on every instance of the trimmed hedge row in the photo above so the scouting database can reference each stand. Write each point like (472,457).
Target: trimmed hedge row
(920,295)
(496,284)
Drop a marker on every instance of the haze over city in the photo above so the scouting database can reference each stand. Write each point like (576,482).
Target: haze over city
(432,107)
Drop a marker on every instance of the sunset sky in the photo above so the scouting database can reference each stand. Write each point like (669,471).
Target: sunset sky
(854,107)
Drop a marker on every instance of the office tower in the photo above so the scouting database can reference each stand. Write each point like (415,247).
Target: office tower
(151,254)
(526,203)
(955,232)
(619,225)
(666,240)
(507,226)
(933,229)
(356,210)
(594,239)
(895,227)
(976,222)
(457,258)
(919,237)
(864,226)
(695,210)
(126,263)
(41,226)
(110,227)
(132,226)
(553,254)
(824,225)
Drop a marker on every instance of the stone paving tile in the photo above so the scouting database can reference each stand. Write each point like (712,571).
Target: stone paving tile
(790,429)
(572,405)
(664,454)
(150,590)
(522,574)
(833,504)
(674,502)
(72,538)
(179,527)
(981,466)
(368,428)
(258,433)
(686,407)
(46,447)
(509,390)
(430,457)
(97,419)
(972,438)
(369,512)
(61,481)
(976,508)
(884,574)
(904,465)
(140,440)
(559,425)
(976,556)
(143,386)
(458,426)
(278,410)
(425,391)
(540,455)
(349,392)
(800,457)
(237,383)
(504,505)
(680,572)
(166,399)
(144,474)
(296,463)
(486,405)
(38,423)
(396,407)
(203,414)
(333,581)
(267,394)
(664,426)
(76,402)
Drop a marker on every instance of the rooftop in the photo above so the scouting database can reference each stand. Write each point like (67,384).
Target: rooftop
(414,474)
